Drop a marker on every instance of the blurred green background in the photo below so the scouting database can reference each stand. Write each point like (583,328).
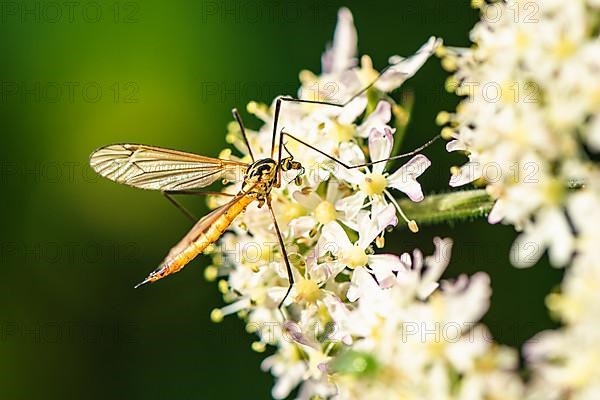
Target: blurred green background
(79,75)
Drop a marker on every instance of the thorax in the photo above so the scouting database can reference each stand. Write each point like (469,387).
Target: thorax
(260,177)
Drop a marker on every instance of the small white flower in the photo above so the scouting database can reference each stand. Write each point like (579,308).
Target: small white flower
(550,230)
(288,367)
(373,183)
(334,240)
(321,210)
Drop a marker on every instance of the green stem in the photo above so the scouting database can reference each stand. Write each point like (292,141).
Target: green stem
(449,207)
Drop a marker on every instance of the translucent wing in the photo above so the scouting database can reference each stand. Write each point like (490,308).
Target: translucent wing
(156,168)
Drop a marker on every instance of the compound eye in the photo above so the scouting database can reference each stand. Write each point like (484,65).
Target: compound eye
(286,164)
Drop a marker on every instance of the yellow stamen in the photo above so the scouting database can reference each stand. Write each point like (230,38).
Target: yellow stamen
(373,184)
(258,347)
(412,225)
(308,290)
(210,273)
(216,315)
(395,203)
(442,118)
(251,327)
(367,72)
(225,154)
(210,249)
(449,63)
(355,257)
(564,48)
(307,77)
(252,107)
(452,85)
(554,191)
(447,133)
(325,212)
(223,286)
(441,51)
(522,40)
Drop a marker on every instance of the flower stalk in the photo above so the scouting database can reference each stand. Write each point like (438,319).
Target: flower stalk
(449,207)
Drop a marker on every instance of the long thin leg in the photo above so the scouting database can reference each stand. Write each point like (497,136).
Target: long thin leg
(168,195)
(283,253)
(278,166)
(238,118)
(343,164)
(180,207)
(275,121)
(328,103)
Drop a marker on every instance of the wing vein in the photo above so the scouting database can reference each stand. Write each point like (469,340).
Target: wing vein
(157,168)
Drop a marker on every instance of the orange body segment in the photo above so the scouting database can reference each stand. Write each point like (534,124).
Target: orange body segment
(189,248)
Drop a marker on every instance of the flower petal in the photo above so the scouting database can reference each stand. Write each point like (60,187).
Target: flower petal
(593,137)
(455,145)
(333,239)
(351,154)
(550,230)
(352,110)
(373,226)
(361,282)
(341,55)
(468,173)
(404,179)
(308,200)
(351,205)
(384,266)
(436,265)
(561,243)
(301,226)
(497,213)
(404,69)
(339,314)
(378,119)
(380,146)
(333,193)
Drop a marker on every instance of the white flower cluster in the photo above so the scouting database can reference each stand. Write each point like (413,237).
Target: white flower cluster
(531,117)
(530,125)
(360,324)
(566,362)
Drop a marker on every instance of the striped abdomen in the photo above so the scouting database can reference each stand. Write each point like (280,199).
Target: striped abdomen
(206,231)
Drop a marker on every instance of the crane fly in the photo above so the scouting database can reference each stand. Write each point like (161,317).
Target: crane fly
(175,172)
(172,172)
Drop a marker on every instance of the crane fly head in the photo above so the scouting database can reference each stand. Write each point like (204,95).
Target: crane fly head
(288,164)
(262,174)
